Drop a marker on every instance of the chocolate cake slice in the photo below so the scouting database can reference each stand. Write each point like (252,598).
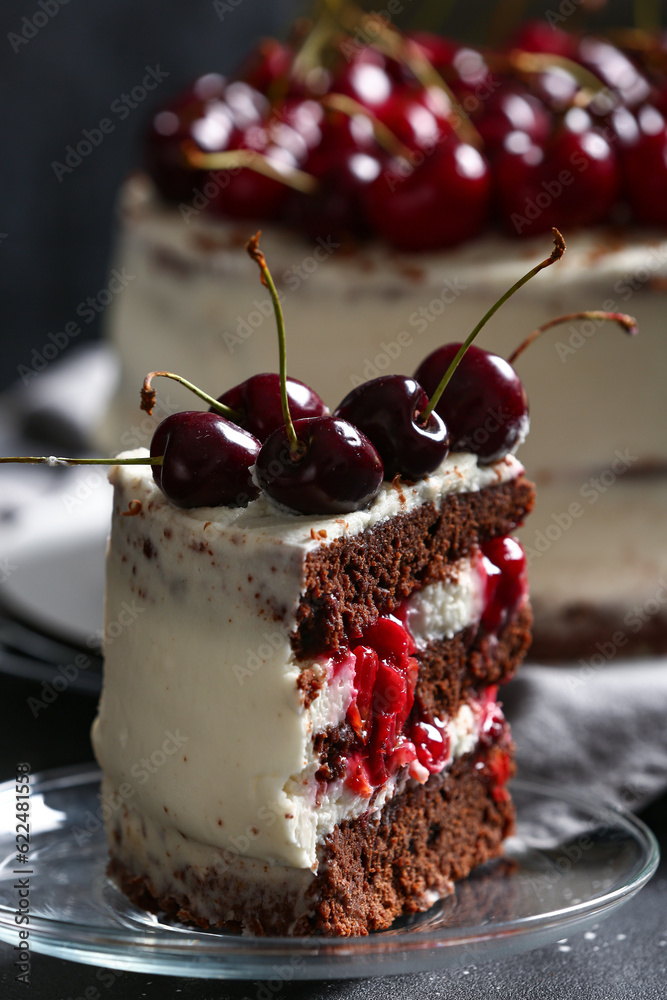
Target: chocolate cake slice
(299,729)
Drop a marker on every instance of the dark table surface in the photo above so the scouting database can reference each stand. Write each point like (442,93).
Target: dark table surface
(623,956)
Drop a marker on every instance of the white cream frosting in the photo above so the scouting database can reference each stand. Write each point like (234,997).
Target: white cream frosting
(206,657)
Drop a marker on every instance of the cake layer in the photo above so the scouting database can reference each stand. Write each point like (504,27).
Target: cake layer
(358,577)
(371,869)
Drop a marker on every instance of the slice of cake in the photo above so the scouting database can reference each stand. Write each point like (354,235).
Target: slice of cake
(299,730)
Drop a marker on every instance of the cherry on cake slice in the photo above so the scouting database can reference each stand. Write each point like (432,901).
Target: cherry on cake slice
(301,728)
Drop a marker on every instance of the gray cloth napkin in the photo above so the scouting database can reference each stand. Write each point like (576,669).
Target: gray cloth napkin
(595,731)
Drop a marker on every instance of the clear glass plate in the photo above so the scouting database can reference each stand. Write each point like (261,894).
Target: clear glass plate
(571,863)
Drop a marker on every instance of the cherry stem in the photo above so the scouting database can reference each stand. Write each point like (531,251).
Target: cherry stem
(234,159)
(556,254)
(626,322)
(252,247)
(149,394)
(53,461)
(383,135)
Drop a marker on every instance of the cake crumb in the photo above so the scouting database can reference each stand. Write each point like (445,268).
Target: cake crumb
(134,507)
(206,525)
(396,483)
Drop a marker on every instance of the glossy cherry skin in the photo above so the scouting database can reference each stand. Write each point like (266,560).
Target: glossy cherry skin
(484,405)
(573,181)
(512,109)
(206,460)
(418,118)
(257,400)
(645,168)
(444,201)
(506,581)
(540,36)
(338,471)
(387,410)
(266,65)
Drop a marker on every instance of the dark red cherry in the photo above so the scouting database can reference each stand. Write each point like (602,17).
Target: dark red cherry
(206,460)
(506,581)
(336,472)
(540,36)
(574,181)
(484,405)
(512,109)
(364,79)
(269,63)
(615,70)
(387,411)
(336,208)
(257,400)
(418,118)
(431,739)
(442,202)
(645,168)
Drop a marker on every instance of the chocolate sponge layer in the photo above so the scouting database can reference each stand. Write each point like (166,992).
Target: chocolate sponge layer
(352,581)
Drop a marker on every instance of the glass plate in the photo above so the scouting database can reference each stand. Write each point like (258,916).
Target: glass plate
(571,863)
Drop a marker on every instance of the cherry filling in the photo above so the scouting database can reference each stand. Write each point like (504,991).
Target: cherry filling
(390,729)
(506,581)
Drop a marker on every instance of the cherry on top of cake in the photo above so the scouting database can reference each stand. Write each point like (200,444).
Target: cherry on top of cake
(420,140)
(274,435)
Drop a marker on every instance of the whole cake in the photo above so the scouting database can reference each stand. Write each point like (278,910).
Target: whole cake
(551,128)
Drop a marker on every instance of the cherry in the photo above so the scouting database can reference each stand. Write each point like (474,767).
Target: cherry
(387,411)
(614,69)
(258,403)
(266,65)
(336,469)
(206,460)
(249,194)
(484,405)
(431,740)
(336,208)
(418,118)
(574,180)
(506,582)
(442,202)
(365,79)
(512,109)
(539,36)
(645,168)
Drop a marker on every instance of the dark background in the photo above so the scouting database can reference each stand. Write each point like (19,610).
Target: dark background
(55,236)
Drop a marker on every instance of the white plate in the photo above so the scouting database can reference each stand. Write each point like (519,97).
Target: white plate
(53,555)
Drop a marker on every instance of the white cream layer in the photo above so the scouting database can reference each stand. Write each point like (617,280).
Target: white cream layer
(201,713)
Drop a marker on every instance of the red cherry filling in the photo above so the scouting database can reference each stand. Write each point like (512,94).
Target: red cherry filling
(257,400)
(484,405)
(391,729)
(387,411)
(506,582)
(206,460)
